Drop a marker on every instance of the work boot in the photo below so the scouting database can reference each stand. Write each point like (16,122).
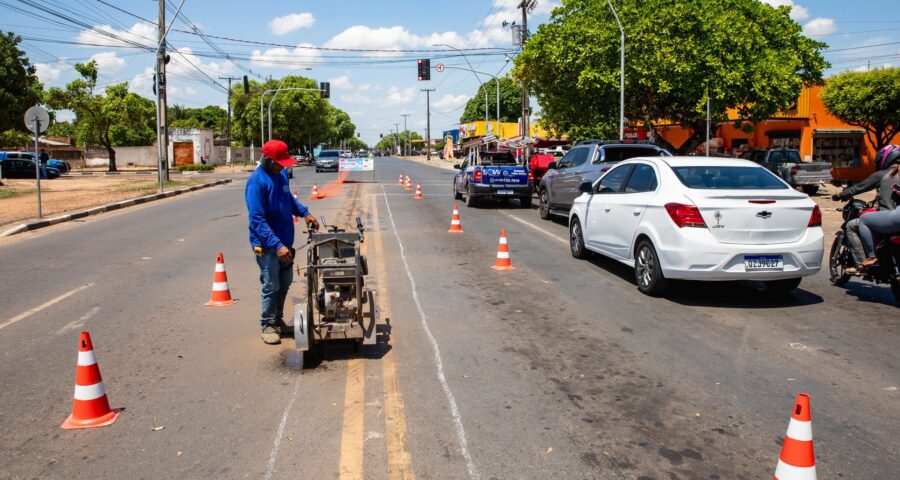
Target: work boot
(270,336)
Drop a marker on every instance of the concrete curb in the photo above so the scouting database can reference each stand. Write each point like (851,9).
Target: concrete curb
(24,227)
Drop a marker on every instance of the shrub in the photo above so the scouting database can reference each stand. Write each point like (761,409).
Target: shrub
(195,168)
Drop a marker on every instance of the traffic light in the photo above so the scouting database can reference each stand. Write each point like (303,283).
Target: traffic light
(325,89)
(380,135)
(246,86)
(424,69)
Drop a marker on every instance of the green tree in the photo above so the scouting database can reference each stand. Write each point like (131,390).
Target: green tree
(404,138)
(19,85)
(745,54)
(63,129)
(510,102)
(118,118)
(355,143)
(15,138)
(210,117)
(869,100)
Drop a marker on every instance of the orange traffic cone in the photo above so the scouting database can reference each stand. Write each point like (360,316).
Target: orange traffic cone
(455,225)
(400,182)
(418,192)
(221,294)
(408,183)
(296,220)
(503,262)
(90,408)
(314,194)
(797,461)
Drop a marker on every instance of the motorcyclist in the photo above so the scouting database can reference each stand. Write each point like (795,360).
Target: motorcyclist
(884,223)
(882,180)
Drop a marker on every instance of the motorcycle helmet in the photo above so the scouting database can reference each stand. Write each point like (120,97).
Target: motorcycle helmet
(886,156)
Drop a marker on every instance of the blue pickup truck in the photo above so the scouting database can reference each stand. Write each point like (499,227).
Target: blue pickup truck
(492,175)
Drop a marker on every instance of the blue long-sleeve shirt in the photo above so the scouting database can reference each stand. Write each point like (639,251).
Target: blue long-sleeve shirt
(271,208)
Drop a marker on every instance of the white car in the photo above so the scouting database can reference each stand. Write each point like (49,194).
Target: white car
(699,218)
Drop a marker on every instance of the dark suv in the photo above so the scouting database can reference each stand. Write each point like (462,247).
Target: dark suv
(586,162)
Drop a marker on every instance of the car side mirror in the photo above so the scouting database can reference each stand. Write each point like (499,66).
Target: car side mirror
(552,166)
(457,167)
(586,187)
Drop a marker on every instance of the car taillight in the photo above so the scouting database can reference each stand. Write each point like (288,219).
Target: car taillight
(530,176)
(794,171)
(815,220)
(476,176)
(685,215)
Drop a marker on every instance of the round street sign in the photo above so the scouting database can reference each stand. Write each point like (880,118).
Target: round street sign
(38,113)
(439,67)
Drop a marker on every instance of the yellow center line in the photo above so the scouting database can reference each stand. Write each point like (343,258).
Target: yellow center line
(399,459)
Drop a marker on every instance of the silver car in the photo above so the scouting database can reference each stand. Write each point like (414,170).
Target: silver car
(328,160)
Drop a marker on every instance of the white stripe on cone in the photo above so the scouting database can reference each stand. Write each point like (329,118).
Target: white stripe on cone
(800,430)
(86,359)
(454,222)
(89,392)
(502,254)
(220,267)
(220,286)
(783,471)
(503,241)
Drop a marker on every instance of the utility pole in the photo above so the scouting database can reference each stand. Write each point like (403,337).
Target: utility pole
(428,122)
(397,129)
(407,146)
(162,136)
(228,123)
(526,100)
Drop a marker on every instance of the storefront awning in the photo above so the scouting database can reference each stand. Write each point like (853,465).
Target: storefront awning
(836,132)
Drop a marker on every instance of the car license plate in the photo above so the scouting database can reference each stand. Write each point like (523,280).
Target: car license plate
(504,192)
(763,262)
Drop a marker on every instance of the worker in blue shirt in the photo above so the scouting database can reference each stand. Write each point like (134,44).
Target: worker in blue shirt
(271,208)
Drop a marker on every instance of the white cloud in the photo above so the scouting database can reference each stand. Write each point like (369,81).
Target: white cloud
(108,63)
(355,98)
(141,32)
(47,72)
(399,38)
(450,101)
(341,82)
(396,96)
(289,23)
(179,72)
(797,12)
(364,87)
(280,57)
(819,26)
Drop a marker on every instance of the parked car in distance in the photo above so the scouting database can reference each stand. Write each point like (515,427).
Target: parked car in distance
(302,159)
(786,163)
(15,168)
(60,165)
(540,162)
(346,154)
(697,218)
(328,160)
(585,162)
(362,154)
(492,175)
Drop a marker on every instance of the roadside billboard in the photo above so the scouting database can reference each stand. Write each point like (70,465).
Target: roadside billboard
(356,165)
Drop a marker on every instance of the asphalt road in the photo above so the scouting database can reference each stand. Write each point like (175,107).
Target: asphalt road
(558,369)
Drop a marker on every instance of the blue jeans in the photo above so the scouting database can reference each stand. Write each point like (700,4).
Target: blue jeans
(883,223)
(275,278)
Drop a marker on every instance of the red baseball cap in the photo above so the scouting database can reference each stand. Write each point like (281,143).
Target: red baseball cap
(278,152)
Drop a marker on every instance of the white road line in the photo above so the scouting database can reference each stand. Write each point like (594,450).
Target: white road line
(454,410)
(75,324)
(270,469)
(43,306)
(545,232)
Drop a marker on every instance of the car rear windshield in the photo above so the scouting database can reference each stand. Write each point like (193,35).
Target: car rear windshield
(330,153)
(728,178)
(497,158)
(617,154)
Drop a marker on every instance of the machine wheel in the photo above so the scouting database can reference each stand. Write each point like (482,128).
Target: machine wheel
(647,270)
(470,198)
(810,189)
(525,202)
(576,240)
(782,287)
(839,253)
(544,204)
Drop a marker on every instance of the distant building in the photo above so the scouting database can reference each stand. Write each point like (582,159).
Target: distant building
(192,146)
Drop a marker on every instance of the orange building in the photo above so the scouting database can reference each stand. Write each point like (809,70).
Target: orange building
(809,128)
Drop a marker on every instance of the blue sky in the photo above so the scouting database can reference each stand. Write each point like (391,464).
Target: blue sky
(374,87)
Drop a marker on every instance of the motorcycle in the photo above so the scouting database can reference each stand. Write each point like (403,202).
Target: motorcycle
(887,251)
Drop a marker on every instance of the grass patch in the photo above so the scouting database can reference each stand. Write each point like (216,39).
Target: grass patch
(151,186)
(195,168)
(6,193)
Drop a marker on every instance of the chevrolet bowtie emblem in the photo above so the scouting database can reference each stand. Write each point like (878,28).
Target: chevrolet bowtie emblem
(764,214)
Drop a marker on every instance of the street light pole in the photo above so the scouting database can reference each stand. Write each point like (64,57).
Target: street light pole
(162,132)
(471,69)
(496,81)
(406,146)
(621,73)
(428,122)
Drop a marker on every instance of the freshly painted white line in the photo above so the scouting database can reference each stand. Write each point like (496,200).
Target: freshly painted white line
(43,306)
(454,410)
(75,324)
(270,469)
(545,232)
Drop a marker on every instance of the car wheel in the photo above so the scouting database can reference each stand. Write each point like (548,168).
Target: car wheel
(810,189)
(470,198)
(525,202)
(895,289)
(647,270)
(836,261)
(456,194)
(544,204)
(576,240)
(781,287)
